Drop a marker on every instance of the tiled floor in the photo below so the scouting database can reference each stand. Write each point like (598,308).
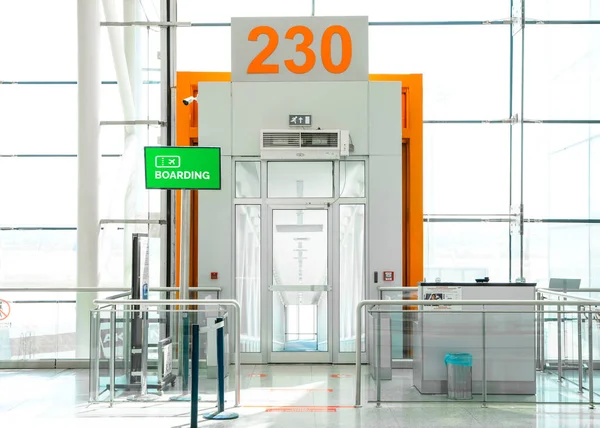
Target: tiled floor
(272,396)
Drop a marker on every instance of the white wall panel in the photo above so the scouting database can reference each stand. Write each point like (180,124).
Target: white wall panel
(258,105)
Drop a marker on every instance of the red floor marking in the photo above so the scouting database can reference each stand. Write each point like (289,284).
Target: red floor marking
(339,375)
(302,390)
(299,409)
(257,375)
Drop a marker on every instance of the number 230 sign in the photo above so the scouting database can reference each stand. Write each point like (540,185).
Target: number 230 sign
(299,49)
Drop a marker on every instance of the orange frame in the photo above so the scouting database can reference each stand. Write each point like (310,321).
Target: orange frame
(412,158)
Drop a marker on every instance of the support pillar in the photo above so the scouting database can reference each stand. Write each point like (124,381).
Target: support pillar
(88,162)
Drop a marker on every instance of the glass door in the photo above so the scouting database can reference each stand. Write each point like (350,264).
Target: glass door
(300,277)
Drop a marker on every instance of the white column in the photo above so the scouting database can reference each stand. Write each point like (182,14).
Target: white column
(88,160)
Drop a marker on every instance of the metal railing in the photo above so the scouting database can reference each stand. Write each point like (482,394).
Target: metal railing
(182,303)
(580,303)
(31,360)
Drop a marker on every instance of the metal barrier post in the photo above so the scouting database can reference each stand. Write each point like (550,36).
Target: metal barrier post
(95,354)
(484,374)
(195,357)
(579,349)
(543,336)
(378,360)
(219,414)
(357,351)
(559,338)
(111,362)
(591,357)
(184,356)
(539,332)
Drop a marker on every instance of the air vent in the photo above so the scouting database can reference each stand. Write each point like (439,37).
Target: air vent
(281,139)
(320,139)
(280,144)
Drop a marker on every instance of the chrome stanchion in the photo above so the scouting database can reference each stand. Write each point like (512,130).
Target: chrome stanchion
(540,333)
(143,374)
(579,349)
(195,358)
(591,357)
(378,360)
(543,336)
(220,413)
(113,354)
(484,374)
(559,336)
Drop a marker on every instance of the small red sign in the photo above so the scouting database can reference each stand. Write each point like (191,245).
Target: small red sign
(340,375)
(257,375)
(4,309)
(214,275)
(388,275)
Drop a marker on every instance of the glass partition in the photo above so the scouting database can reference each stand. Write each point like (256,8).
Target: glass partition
(247,273)
(300,179)
(158,373)
(352,271)
(488,354)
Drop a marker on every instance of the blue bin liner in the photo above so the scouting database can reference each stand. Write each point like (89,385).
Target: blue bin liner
(459,359)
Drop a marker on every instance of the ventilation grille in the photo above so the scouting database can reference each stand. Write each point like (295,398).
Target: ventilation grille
(320,139)
(281,139)
(274,139)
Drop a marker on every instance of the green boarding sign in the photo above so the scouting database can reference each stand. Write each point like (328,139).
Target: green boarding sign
(173,167)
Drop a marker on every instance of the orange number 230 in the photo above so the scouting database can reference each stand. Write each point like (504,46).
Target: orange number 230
(259,66)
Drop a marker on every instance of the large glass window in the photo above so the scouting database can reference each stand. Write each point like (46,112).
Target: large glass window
(410,10)
(562,72)
(465,68)
(466,251)
(466,169)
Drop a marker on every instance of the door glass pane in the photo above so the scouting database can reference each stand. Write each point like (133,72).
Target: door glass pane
(300,283)
(247,179)
(300,179)
(247,273)
(352,179)
(352,271)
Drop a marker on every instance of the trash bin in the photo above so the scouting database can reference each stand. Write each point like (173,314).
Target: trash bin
(459,367)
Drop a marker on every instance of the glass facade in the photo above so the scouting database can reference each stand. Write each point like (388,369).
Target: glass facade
(511,133)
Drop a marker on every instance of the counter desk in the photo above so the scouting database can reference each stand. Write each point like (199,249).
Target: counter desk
(509,337)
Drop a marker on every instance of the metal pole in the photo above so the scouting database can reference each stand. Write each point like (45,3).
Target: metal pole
(220,367)
(220,413)
(184,358)
(591,357)
(184,259)
(144,368)
(378,360)
(539,332)
(484,375)
(94,356)
(543,336)
(238,346)
(357,345)
(88,161)
(113,354)
(559,336)
(195,362)
(579,349)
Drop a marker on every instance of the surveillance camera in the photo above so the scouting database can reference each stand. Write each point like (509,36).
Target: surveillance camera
(188,100)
